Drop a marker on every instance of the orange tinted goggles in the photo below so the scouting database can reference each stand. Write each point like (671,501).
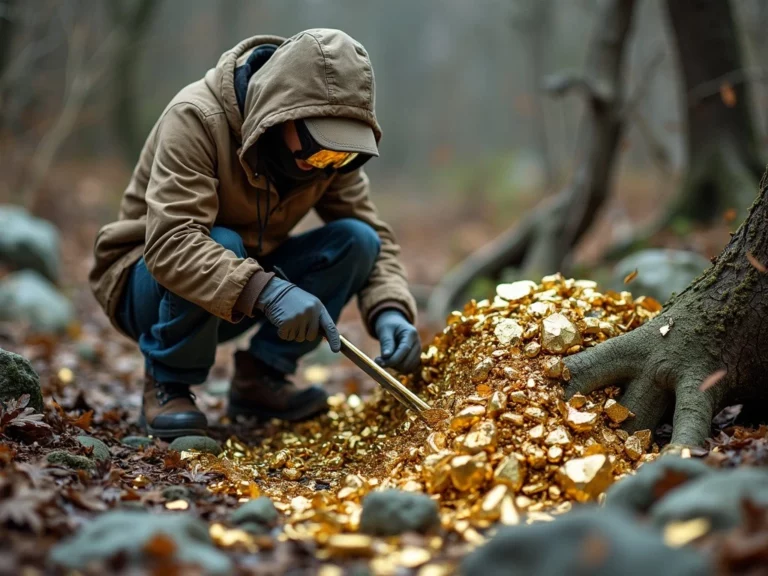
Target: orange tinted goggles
(330,158)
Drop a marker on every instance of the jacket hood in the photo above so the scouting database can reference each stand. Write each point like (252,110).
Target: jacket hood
(316,73)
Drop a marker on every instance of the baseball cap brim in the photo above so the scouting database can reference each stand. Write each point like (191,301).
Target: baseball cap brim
(343,135)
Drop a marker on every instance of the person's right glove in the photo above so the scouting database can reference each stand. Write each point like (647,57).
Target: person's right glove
(297,314)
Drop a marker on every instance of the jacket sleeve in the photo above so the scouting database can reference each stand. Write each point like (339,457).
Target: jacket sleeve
(348,197)
(182,205)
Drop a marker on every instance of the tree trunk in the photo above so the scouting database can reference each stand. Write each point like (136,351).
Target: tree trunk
(724,160)
(7,26)
(720,322)
(543,241)
(135,19)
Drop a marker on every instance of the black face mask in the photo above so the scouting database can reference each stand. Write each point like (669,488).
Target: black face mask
(280,163)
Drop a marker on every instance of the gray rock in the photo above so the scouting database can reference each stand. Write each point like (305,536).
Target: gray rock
(392,512)
(137,441)
(585,541)
(175,493)
(199,443)
(254,528)
(28,297)
(660,272)
(18,378)
(258,511)
(717,496)
(126,532)
(73,461)
(27,242)
(100,450)
(638,493)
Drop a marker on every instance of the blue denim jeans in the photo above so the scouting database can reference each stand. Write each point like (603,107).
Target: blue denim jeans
(178,339)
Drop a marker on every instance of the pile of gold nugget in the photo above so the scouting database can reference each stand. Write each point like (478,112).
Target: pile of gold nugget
(511,449)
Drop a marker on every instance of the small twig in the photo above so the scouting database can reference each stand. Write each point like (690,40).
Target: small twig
(712,87)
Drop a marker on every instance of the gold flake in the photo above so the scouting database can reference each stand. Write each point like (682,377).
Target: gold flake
(615,411)
(633,446)
(536,433)
(481,370)
(508,332)
(532,349)
(467,417)
(535,413)
(581,421)
(558,436)
(497,403)
(516,290)
(413,557)
(344,545)
(586,478)
(518,397)
(65,375)
(482,436)
(558,334)
(645,437)
(511,472)
(578,401)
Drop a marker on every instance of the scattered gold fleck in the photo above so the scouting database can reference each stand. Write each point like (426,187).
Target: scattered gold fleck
(559,436)
(482,436)
(497,403)
(678,534)
(413,557)
(65,375)
(466,417)
(177,505)
(578,401)
(343,545)
(645,437)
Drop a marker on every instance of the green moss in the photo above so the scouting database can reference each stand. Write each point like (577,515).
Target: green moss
(100,450)
(67,460)
(18,378)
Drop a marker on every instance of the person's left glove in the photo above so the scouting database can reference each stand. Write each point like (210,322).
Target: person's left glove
(399,339)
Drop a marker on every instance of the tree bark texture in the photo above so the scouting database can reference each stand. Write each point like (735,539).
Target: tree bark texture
(720,322)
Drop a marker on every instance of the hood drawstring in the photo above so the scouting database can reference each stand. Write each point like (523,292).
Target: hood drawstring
(263,224)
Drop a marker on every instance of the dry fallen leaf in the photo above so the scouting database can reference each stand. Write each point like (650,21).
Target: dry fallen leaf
(631,276)
(83,421)
(728,94)
(756,264)
(712,379)
(160,546)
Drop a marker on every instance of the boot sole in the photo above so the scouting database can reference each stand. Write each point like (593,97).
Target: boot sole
(166,434)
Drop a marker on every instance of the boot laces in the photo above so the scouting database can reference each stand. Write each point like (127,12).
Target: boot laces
(167,392)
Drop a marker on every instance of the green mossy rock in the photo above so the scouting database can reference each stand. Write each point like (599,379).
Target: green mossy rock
(623,546)
(18,378)
(393,512)
(717,497)
(126,532)
(73,461)
(199,443)
(137,441)
(258,511)
(26,296)
(100,450)
(638,493)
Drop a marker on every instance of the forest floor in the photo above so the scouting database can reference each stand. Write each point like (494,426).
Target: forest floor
(91,381)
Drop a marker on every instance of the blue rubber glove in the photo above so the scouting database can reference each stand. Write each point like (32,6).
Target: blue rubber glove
(297,315)
(399,339)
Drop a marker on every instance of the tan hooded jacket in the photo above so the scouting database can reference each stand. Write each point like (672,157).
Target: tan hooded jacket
(191,176)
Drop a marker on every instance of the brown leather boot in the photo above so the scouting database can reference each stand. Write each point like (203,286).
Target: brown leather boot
(169,411)
(262,392)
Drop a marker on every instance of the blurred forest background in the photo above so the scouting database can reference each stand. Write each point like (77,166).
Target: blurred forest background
(471,138)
